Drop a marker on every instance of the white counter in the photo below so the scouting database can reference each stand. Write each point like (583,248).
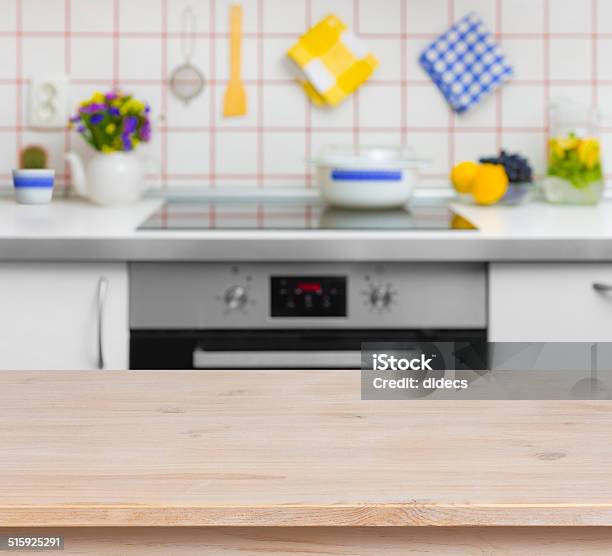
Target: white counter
(75,230)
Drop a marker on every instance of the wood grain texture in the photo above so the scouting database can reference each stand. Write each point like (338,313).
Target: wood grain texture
(289,448)
(334,541)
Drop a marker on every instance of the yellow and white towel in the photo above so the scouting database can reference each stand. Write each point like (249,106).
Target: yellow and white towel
(332,61)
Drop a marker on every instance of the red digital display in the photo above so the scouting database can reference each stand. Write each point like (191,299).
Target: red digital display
(310,287)
(308,296)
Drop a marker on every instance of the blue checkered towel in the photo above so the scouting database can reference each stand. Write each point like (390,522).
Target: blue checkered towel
(466,63)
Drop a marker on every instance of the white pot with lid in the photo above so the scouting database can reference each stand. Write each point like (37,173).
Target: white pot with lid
(367,177)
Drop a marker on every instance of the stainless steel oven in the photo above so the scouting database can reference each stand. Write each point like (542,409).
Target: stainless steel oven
(276,315)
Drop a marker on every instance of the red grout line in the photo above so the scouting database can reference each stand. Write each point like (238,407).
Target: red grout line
(510,35)
(279,82)
(594,60)
(403,72)
(66,36)
(323,130)
(499,91)
(284,82)
(260,91)
(18,74)
(212,136)
(355,128)
(356,120)
(164,95)
(67,72)
(546,71)
(549,82)
(151,35)
(308,126)
(145,35)
(116,43)
(451,115)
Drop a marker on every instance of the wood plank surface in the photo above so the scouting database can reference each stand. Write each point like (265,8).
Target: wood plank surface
(289,448)
(332,541)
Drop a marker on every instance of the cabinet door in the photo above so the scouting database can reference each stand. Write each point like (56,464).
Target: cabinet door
(50,315)
(549,303)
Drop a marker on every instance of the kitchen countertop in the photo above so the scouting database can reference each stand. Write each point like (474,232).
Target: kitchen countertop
(290,448)
(73,230)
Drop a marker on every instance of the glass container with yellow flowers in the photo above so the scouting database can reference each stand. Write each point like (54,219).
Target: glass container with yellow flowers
(575,174)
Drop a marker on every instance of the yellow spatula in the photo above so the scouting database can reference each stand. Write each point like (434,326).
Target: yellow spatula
(235,102)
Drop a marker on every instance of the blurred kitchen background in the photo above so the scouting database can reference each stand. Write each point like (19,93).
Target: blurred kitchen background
(558,48)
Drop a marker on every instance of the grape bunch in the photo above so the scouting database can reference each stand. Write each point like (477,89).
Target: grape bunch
(517,167)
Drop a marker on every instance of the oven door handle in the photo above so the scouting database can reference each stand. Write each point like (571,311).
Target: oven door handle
(205,359)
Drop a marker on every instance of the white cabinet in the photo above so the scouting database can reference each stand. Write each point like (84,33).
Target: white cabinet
(60,315)
(549,302)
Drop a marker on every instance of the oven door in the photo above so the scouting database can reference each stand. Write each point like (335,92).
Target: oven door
(276,349)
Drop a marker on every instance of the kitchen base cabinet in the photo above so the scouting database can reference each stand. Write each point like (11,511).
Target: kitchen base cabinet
(63,316)
(550,302)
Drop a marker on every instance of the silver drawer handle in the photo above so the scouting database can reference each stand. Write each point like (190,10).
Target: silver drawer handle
(599,287)
(102,289)
(203,359)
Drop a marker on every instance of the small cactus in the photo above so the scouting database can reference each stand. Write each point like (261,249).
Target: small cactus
(33,158)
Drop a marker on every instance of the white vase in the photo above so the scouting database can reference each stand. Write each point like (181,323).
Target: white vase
(109,178)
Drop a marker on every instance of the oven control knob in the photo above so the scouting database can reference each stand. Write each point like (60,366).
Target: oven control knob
(380,297)
(236,297)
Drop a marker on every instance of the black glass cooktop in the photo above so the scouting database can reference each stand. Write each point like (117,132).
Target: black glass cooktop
(269,215)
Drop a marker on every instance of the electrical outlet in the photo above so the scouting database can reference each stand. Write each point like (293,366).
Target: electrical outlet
(49,101)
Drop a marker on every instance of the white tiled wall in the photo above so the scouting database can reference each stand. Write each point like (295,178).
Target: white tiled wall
(559,48)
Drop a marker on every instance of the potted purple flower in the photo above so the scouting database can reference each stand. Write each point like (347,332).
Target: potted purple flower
(114,125)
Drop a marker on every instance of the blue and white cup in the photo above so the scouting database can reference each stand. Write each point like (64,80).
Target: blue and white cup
(33,187)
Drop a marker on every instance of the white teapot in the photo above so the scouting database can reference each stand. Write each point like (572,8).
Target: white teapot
(108,179)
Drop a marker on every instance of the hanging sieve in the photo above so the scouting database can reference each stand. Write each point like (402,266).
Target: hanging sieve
(187,81)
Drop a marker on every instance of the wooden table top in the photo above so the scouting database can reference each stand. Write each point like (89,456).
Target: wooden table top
(283,448)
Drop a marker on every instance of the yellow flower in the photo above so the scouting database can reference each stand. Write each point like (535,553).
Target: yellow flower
(132,106)
(97,98)
(137,106)
(107,149)
(588,152)
(110,128)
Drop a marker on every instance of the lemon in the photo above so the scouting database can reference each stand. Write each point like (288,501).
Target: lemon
(463,176)
(490,184)
(460,223)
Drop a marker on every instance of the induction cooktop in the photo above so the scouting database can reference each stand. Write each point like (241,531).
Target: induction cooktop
(298,215)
